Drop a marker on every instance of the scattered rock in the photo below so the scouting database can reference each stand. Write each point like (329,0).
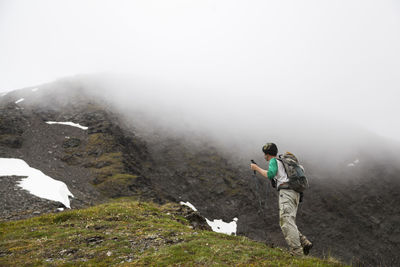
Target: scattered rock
(94,240)
(71,142)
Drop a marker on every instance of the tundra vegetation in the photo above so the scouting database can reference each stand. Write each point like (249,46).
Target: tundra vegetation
(130,232)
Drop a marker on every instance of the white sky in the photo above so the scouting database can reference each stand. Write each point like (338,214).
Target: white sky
(339,59)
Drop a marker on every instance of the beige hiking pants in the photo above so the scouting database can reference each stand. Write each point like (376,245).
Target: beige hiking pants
(288,203)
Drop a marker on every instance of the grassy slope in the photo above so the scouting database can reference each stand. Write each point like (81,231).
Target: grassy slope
(128,232)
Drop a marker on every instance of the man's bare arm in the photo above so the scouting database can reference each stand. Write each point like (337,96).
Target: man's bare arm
(261,171)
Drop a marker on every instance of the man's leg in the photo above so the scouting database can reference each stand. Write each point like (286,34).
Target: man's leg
(288,202)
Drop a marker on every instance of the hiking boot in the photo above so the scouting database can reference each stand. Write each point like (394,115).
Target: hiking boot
(306,244)
(307,247)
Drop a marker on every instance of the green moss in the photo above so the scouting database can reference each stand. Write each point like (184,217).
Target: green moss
(100,140)
(112,158)
(107,166)
(141,233)
(116,181)
(108,170)
(104,158)
(117,185)
(96,139)
(122,177)
(63,217)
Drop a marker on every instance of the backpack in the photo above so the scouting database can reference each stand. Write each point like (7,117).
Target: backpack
(295,172)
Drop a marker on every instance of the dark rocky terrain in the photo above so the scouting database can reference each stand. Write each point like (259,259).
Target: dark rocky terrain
(351,214)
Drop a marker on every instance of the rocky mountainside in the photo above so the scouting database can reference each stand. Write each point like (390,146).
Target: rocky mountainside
(351,215)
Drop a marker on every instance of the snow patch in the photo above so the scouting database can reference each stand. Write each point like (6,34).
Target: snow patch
(216,225)
(68,123)
(19,100)
(3,94)
(37,183)
(220,226)
(35,89)
(188,204)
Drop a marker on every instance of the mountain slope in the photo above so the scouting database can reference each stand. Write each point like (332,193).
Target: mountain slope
(131,233)
(350,213)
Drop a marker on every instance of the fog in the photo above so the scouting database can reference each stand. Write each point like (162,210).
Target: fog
(321,74)
(238,128)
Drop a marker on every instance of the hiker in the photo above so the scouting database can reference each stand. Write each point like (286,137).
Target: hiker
(288,201)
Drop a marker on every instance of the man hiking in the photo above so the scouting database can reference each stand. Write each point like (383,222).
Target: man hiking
(288,201)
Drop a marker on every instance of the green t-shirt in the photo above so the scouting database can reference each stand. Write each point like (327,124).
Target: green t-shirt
(272,169)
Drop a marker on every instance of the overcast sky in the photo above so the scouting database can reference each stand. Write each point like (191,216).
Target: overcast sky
(337,59)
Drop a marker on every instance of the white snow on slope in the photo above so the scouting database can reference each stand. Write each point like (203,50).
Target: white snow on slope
(35,89)
(19,100)
(69,124)
(218,226)
(188,204)
(37,183)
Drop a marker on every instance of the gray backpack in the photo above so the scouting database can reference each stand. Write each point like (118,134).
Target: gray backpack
(295,172)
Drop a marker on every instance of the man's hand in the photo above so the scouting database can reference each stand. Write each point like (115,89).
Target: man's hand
(253,166)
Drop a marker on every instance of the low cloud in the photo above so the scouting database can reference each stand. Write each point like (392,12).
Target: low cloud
(317,77)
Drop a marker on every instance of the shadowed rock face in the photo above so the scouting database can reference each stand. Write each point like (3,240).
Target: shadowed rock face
(351,214)
(12,126)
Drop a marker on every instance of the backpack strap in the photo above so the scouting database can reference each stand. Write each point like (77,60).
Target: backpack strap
(283,164)
(284,185)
